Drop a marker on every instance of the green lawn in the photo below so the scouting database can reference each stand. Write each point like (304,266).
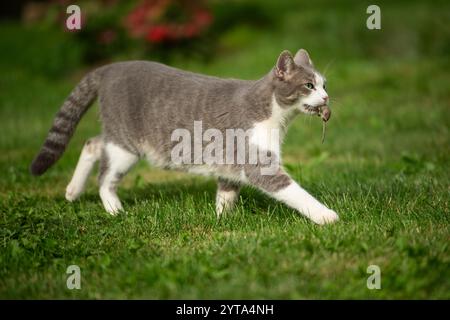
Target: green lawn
(384,167)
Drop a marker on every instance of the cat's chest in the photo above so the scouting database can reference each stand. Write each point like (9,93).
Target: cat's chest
(269,133)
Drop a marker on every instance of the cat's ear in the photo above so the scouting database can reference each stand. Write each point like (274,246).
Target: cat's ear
(285,65)
(302,58)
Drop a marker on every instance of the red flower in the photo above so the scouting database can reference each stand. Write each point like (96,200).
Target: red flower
(158,33)
(191,30)
(149,20)
(136,21)
(203,18)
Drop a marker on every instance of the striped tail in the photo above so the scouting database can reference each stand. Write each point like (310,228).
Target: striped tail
(65,122)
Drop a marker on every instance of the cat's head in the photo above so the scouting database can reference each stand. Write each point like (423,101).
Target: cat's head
(299,85)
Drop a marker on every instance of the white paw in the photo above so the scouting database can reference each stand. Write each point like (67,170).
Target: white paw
(225,201)
(72,192)
(113,207)
(224,207)
(219,210)
(112,204)
(325,216)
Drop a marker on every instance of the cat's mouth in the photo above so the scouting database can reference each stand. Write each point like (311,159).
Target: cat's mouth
(322,111)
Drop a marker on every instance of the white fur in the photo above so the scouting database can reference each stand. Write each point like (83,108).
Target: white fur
(225,200)
(299,199)
(153,156)
(263,132)
(317,97)
(119,162)
(89,156)
(262,136)
(268,134)
(202,170)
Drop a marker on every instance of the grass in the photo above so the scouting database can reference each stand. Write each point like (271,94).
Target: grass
(383,167)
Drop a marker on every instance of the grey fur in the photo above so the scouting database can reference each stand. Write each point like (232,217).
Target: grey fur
(142,103)
(227,185)
(65,123)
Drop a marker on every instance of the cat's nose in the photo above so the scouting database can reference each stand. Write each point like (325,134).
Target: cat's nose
(325,99)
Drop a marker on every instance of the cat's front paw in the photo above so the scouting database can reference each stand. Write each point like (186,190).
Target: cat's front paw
(72,192)
(325,216)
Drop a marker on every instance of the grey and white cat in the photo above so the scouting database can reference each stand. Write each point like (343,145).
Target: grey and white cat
(142,103)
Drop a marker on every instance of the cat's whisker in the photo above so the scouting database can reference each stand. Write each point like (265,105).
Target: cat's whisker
(335,103)
(329,64)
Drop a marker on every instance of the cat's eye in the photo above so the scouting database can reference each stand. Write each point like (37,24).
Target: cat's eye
(309,85)
(324,87)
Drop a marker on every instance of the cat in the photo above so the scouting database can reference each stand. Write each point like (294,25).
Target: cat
(143,103)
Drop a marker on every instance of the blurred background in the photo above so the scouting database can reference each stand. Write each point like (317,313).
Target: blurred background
(34,34)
